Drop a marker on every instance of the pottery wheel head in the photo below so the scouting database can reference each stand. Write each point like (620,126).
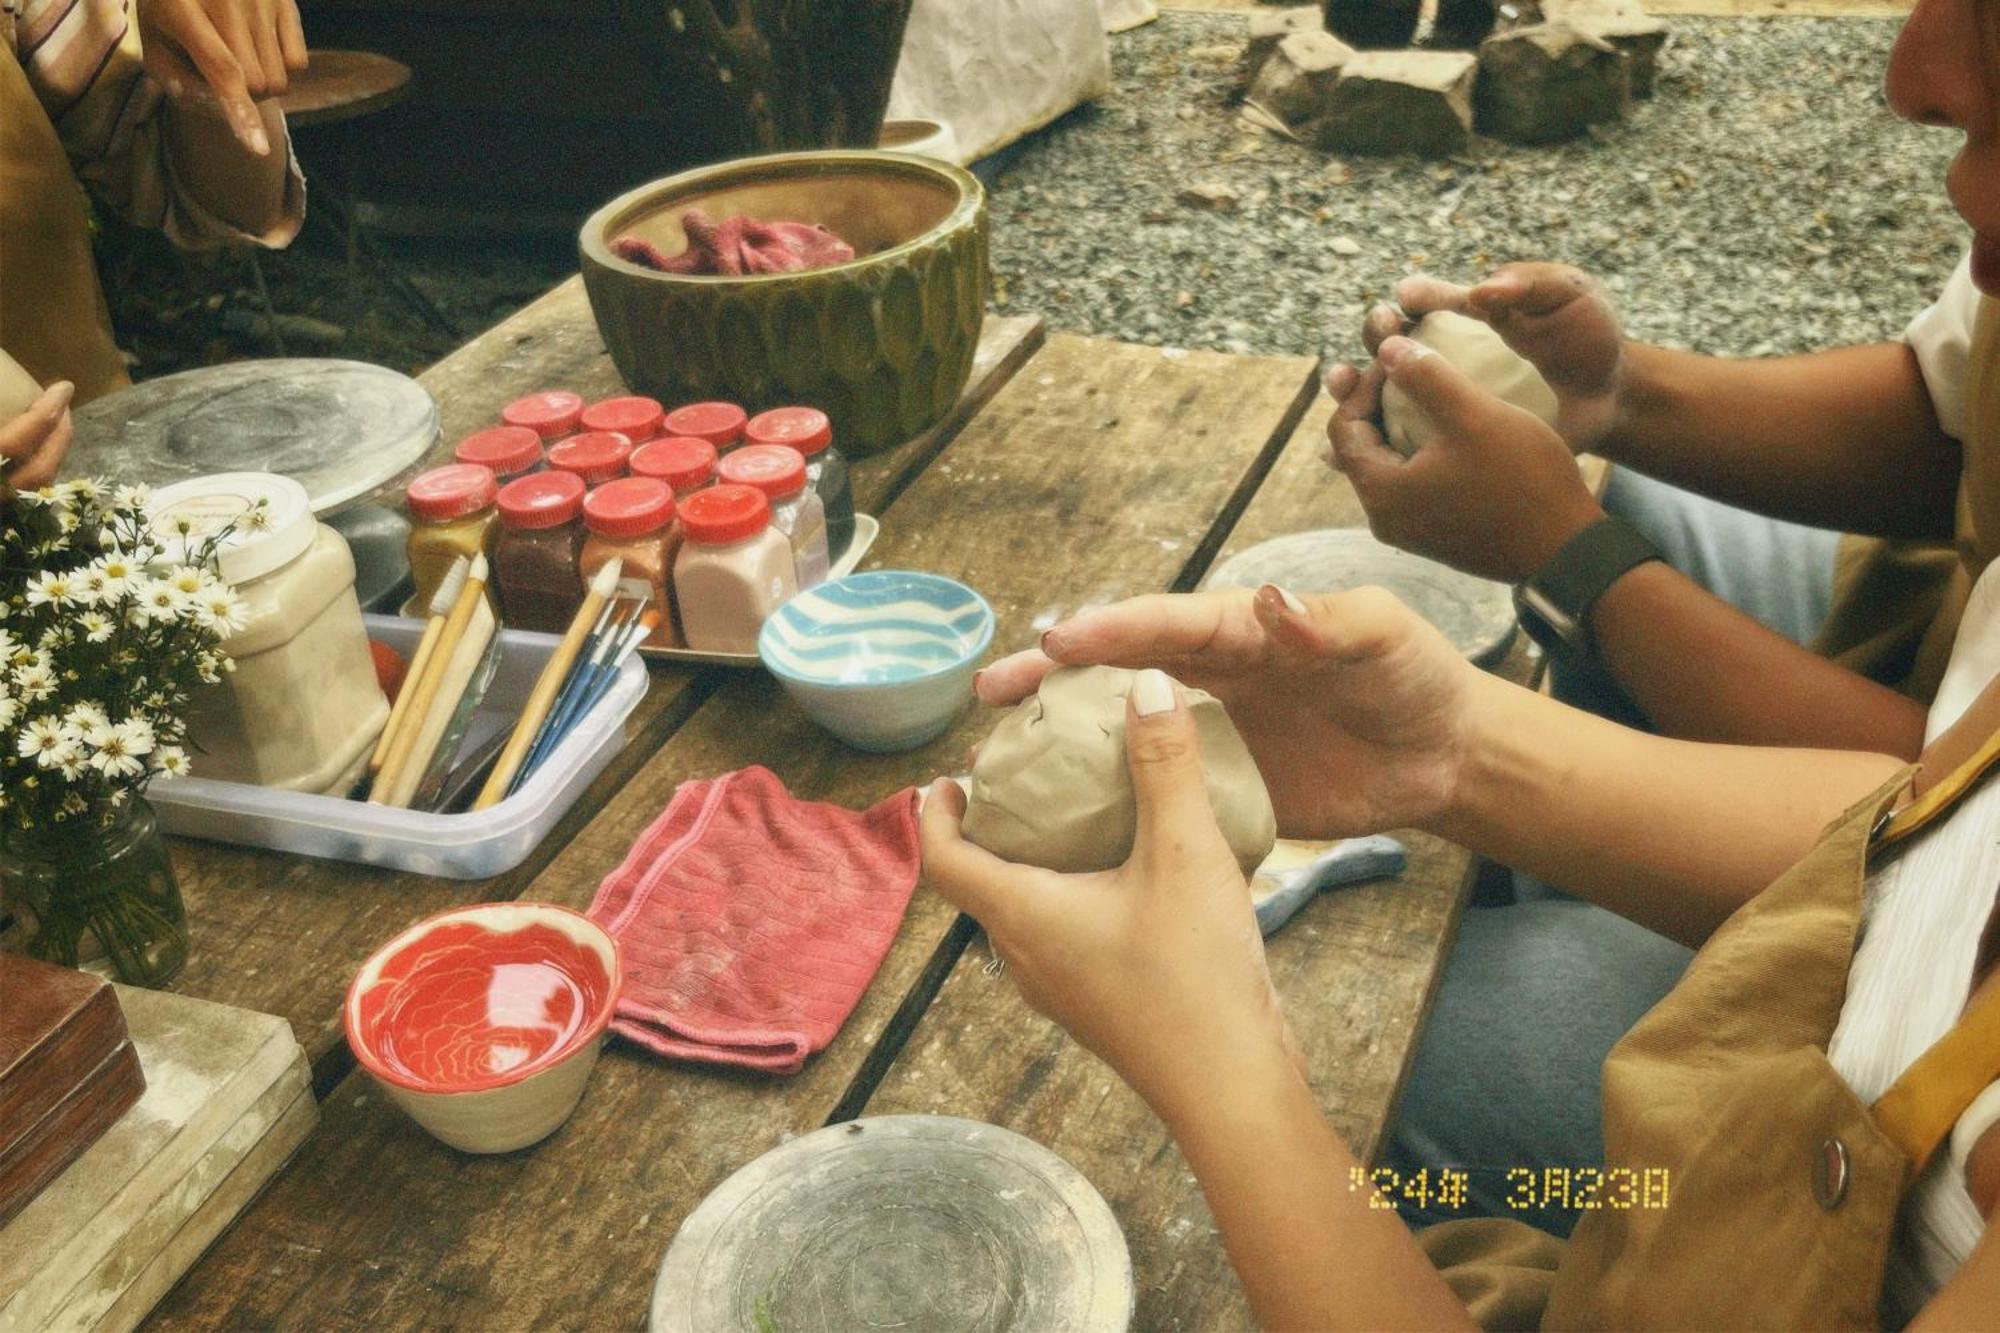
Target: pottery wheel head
(919,1224)
(1476,614)
(341,429)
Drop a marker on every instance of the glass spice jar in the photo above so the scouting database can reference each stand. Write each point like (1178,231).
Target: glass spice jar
(780,472)
(684,463)
(637,419)
(808,430)
(733,571)
(632,520)
(451,515)
(535,553)
(550,415)
(597,456)
(510,451)
(721,424)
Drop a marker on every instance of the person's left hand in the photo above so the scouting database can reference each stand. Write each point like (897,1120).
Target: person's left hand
(32,445)
(1496,494)
(239,50)
(1156,966)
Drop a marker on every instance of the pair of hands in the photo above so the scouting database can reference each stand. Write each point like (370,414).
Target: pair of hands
(1358,715)
(228,52)
(1498,493)
(32,445)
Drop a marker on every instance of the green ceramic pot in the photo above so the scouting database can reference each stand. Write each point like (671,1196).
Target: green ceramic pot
(883,344)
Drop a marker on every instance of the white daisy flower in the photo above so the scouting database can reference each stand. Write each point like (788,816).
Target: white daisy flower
(51,588)
(173,761)
(111,755)
(82,488)
(221,612)
(8,644)
(34,682)
(136,734)
(41,736)
(186,579)
(86,716)
(158,600)
(96,626)
(10,711)
(64,755)
(119,571)
(135,497)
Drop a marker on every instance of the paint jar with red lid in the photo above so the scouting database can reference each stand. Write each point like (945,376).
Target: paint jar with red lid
(597,456)
(536,549)
(633,520)
(511,451)
(734,568)
(808,430)
(550,415)
(684,463)
(451,515)
(721,424)
(780,472)
(637,419)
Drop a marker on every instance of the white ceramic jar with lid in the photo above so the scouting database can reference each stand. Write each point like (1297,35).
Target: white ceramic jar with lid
(301,710)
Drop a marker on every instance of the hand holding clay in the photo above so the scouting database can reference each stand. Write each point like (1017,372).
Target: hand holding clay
(1495,492)
(1355,710)
(1156,965)
(1484,358)
(1051,786)
(231,51)
(33,443)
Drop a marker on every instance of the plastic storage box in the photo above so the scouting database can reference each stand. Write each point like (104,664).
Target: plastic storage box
(474,845)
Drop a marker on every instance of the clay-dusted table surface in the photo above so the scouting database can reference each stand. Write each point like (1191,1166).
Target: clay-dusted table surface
(1098,470)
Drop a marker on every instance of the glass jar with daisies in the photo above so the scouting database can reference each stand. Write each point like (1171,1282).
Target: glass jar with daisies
(101,648)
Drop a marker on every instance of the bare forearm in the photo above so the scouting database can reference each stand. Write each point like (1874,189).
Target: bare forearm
(1311,1252)
(244,189)
(1702,670)
(1843,439)
(1675,835)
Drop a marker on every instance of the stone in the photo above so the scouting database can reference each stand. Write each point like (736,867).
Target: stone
(1548,83)
(1346,246)
(1299,77)
(1400,102)
(1374,24)
(1209,195)
(1269,28)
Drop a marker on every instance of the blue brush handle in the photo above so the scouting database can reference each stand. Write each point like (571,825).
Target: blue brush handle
(558,723)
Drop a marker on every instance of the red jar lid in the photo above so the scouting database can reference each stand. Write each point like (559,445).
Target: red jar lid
(805,429)
(725,513)
(778,470)
(635,418)
(597,456)
(721,424)
(629,507)
(681,461)
(550,415)
(452,491)
(508,450)
(541,500)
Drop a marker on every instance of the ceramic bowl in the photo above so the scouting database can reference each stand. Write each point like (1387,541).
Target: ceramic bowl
(883,660)
(484,1022)
(883,344)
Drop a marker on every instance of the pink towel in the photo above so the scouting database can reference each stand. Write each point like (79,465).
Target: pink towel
(751,922)
(739,245)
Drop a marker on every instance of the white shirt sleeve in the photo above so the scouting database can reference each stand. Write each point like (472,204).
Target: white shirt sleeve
(1942,339)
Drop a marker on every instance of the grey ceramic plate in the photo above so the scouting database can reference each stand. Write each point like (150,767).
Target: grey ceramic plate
(922,1224)
(341,429)
(1474,613)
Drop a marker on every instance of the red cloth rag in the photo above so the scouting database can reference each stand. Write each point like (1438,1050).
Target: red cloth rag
(739,245)
(751,921)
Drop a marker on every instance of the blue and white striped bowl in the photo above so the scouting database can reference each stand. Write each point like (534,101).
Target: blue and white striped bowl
(882,660)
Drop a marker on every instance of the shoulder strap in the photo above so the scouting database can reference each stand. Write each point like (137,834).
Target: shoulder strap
(1898,825)
(1919,1110)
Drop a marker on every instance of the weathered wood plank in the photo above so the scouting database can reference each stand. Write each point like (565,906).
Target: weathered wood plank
(283,935)
(1356,970)
(1096,473)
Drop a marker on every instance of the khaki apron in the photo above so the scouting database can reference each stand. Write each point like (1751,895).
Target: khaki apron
(1896,604)
(1783,1189)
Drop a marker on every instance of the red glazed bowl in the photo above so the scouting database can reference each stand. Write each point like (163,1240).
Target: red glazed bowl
(484,1022)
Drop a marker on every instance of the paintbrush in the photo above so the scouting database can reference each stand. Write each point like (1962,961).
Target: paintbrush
(440,609)
(423,691)
(433,718)
(602,645)
(588,620)
(591,688)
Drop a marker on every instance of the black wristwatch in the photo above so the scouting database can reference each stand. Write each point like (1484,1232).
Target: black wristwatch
(1554,605)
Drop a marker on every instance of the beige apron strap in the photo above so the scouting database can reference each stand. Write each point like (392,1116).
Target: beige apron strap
(1918,1112)
(1898,825)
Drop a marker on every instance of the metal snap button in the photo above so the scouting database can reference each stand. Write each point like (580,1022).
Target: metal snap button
(1830,1175)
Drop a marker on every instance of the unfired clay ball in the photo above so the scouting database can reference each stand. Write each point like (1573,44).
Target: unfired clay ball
(1487,361)
(1052,787)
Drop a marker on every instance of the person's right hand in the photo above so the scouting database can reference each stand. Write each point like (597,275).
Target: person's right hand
(32,445)
(1355,709)
(235,51)
(1556,316)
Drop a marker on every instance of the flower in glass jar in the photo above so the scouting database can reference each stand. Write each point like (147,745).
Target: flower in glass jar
(51,588)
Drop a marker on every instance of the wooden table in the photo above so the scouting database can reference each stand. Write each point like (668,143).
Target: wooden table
(1077,471)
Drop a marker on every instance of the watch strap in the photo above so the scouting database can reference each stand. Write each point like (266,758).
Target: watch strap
(1562,592)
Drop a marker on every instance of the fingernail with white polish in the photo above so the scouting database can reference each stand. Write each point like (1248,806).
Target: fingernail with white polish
(1152,692)
(1292,604)
(260,143)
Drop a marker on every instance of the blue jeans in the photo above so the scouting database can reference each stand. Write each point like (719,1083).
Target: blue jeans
(1537,990)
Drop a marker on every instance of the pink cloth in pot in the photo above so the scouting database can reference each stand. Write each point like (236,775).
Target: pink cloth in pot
(751,922)
(739,245)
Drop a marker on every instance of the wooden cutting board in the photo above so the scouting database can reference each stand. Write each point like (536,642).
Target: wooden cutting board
(67,1072)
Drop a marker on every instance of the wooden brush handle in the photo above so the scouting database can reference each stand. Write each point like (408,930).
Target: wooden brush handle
(391,774)
(430,726)
(536,710)
(398,710)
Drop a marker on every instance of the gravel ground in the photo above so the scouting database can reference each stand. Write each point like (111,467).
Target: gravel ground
(1766,200)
